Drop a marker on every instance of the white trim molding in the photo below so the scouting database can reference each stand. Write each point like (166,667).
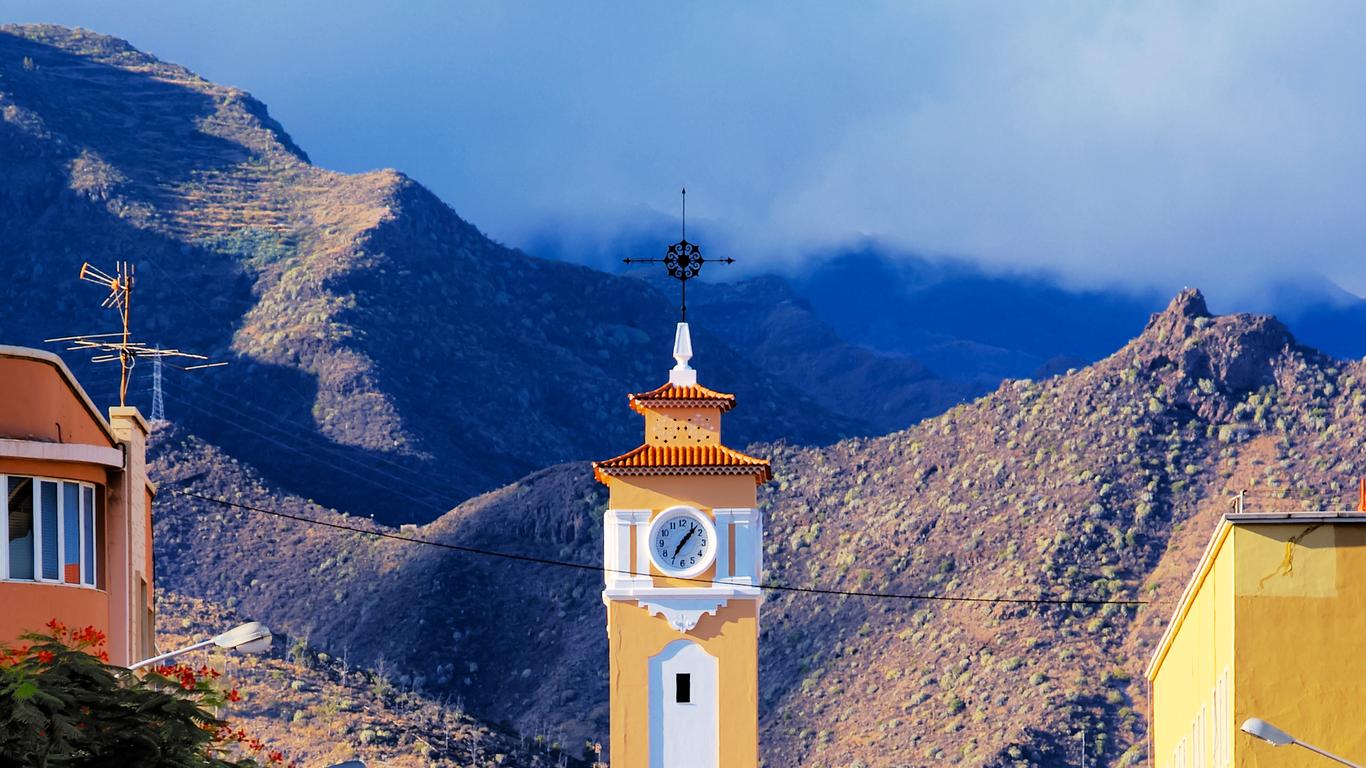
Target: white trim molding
(619,572)
(683,607)
(683,613)
(684,730)
(747,568)
(625,578)
(73,452)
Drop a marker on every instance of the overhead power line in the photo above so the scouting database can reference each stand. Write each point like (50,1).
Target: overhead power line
(600,569)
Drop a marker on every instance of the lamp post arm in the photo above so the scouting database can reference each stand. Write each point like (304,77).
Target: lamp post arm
(172,654)
(1327,754)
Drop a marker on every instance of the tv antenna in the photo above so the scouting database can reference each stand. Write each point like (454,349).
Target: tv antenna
(119,345)
(683,261)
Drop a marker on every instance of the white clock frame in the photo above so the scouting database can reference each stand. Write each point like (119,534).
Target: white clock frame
(702,519)
(739,565)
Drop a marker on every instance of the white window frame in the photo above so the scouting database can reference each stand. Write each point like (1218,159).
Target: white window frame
(38,532)
(1225,715)
(4,527)
(86,512)
(1204,759)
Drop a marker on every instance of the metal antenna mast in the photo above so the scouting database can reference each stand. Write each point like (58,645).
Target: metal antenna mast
(158,406)
(119,344)
(683,261)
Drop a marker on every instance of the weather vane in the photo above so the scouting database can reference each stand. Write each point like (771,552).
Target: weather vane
(683,261)
(118,345)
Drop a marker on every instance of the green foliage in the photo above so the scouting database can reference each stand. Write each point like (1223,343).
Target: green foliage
(62,706)
(258,247)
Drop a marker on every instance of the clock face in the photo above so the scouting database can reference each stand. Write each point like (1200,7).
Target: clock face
(682,542)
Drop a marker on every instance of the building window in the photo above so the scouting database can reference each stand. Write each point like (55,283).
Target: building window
(50,530)
(71,533)
(88,535)
(683,688)
(49,536)
(19,494)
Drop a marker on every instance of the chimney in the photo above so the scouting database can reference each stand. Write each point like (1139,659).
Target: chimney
(131,595)
(1361,495)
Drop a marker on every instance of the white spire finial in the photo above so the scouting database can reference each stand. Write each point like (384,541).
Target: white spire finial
(682,374)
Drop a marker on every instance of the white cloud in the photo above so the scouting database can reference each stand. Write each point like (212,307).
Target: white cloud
(1213,142)
(1218,144)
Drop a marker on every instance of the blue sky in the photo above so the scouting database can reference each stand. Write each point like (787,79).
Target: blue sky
(1154,145)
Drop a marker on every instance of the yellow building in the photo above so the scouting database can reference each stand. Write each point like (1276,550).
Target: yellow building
(682,560)
(1271,626)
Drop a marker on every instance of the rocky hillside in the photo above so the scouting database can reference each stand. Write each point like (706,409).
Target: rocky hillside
(321,710)
(1100,483)
(373,333)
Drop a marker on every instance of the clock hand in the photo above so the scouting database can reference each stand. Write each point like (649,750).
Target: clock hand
(679,548)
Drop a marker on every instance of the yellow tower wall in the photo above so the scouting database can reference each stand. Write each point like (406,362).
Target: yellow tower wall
(731,636)
(657,493)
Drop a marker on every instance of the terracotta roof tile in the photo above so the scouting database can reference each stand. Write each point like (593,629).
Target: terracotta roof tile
(682,396)
(683,460)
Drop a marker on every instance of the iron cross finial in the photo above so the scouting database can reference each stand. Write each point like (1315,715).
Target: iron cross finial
(683,261)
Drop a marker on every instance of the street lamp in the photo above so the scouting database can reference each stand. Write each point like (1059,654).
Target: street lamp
(252,637)
(1276,737)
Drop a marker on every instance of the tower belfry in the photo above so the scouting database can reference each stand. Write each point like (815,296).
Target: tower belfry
(683,561)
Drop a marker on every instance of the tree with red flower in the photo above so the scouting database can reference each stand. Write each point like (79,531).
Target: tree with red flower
(61,703)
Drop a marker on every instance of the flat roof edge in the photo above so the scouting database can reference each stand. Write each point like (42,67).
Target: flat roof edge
(1322,516)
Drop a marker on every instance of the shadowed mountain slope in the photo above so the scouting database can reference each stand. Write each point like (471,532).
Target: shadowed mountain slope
(963,321)
(1099,484)
(780,333)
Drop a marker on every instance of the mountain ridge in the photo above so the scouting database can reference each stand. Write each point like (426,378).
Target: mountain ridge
(1099,484)
(364,318)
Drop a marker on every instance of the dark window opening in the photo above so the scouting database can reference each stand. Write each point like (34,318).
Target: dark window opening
(21,527)
(683,688)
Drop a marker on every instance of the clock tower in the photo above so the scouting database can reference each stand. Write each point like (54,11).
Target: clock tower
(682,560)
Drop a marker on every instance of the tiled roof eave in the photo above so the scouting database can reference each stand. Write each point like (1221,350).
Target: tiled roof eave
(762,473)
(683,460)
(676,396)
(641,404)
(699,470)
